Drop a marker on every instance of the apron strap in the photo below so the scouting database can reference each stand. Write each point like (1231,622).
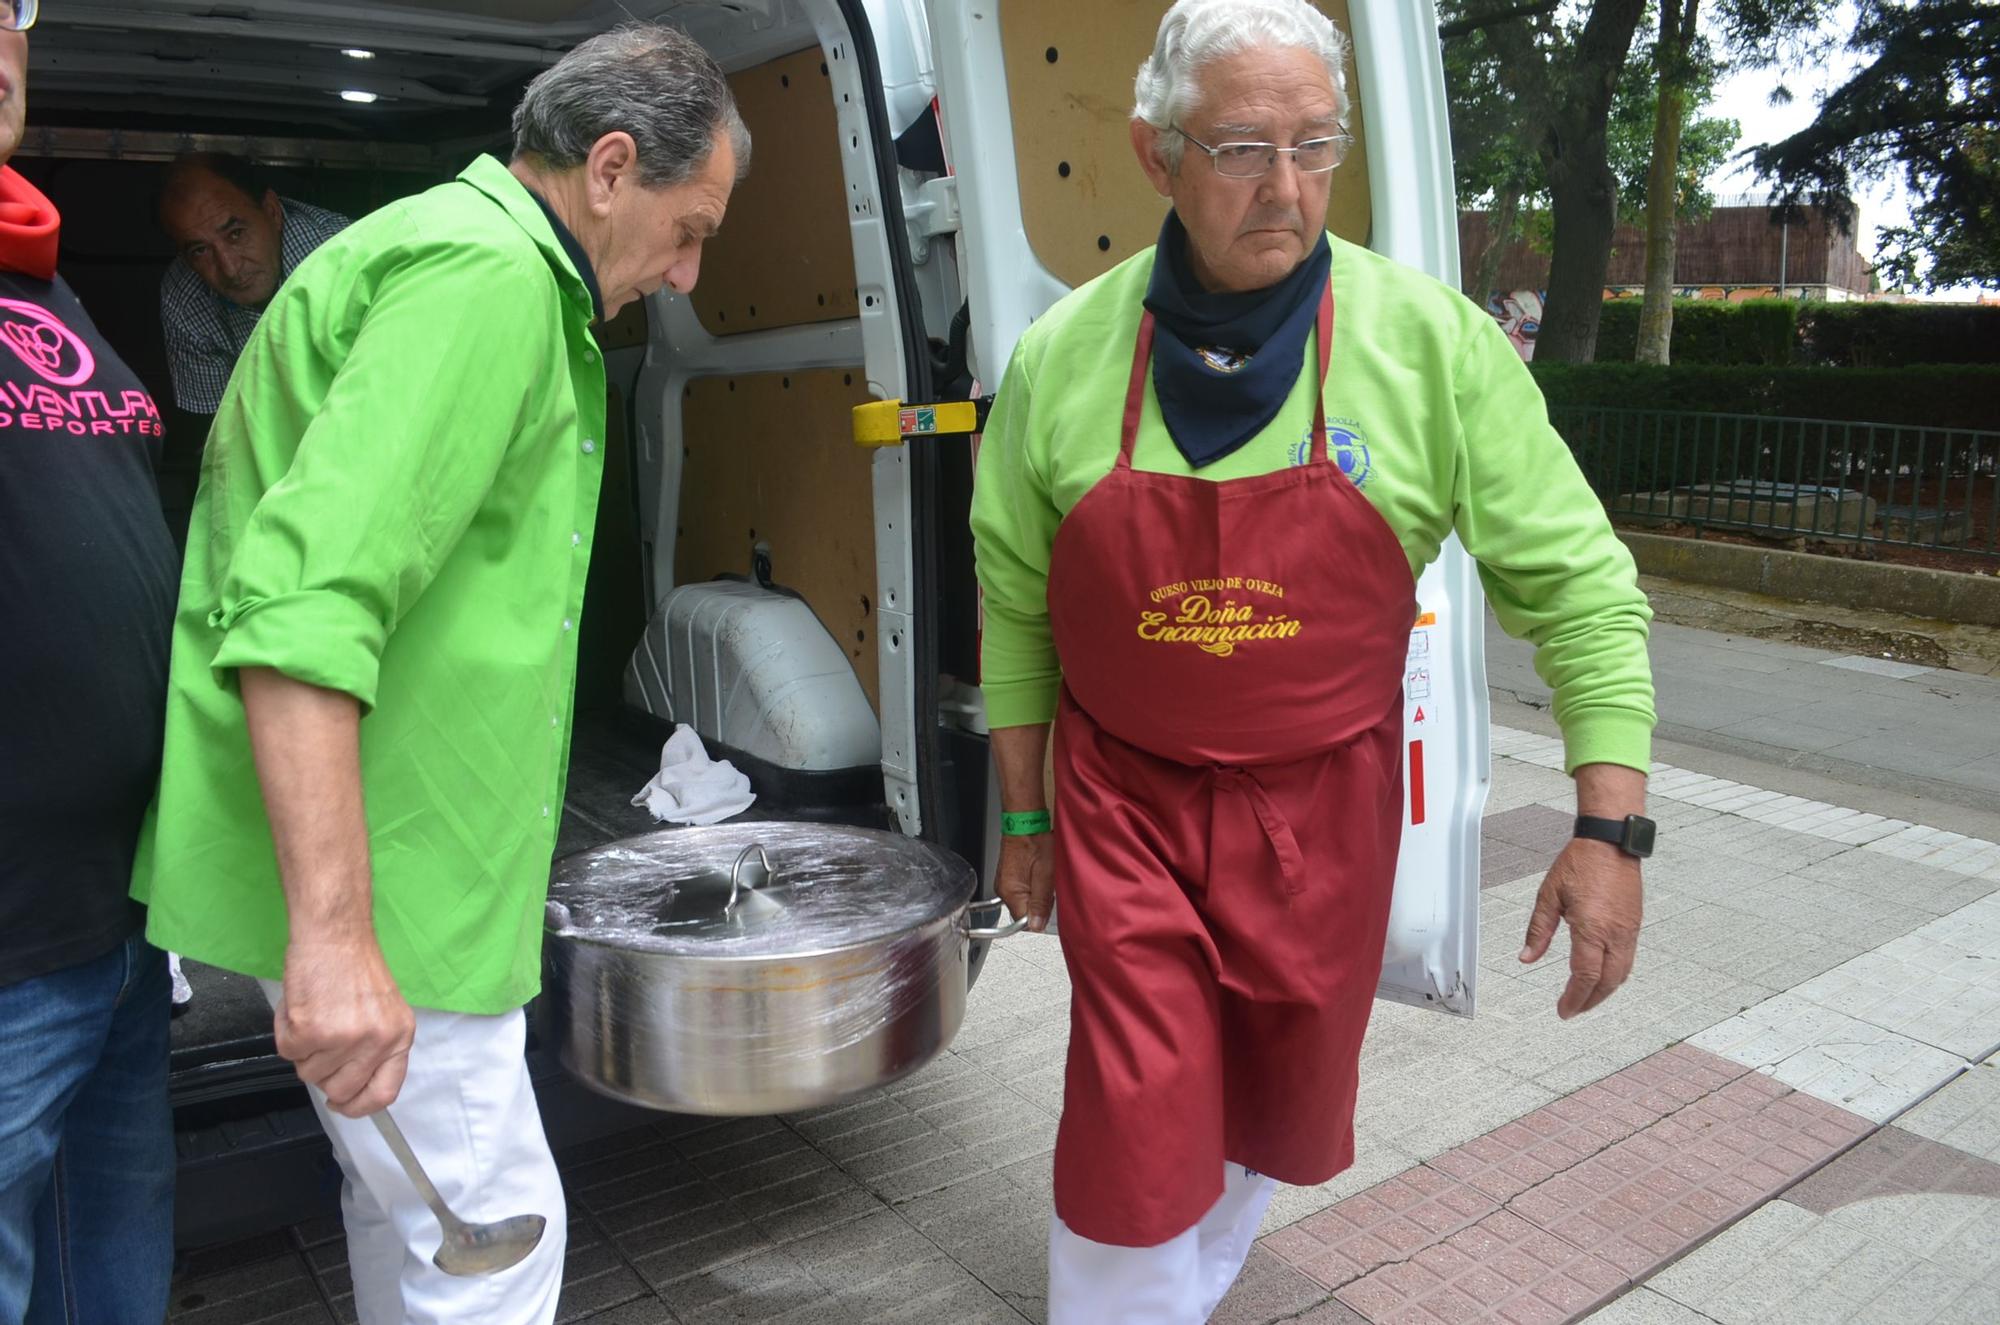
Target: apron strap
(1284,845)
(1135,394)
(1142,359)
(1325,338)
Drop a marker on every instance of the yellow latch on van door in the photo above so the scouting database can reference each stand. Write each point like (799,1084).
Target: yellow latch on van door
(891,422)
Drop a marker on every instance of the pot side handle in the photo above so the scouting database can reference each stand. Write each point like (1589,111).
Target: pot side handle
(1007,930)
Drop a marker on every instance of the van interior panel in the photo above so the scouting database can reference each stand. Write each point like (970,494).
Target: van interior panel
(615,599)
(511,11)
(771,462)
(614,594)
(1069,82)
(784,256)
(627,330)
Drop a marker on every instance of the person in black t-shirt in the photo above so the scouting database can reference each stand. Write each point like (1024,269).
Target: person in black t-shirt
(87,583)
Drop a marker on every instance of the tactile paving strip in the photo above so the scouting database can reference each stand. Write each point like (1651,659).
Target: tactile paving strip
(1544,1219)
(1645,1200)
(1502,1268)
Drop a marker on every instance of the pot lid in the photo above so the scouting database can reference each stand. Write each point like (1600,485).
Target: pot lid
(704,892)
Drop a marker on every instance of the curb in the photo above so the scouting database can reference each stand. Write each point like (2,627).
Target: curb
(1803,576)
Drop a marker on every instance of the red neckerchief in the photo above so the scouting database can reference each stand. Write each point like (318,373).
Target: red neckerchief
(29,226)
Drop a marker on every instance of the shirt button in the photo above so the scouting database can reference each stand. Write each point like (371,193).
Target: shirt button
(566,623)
(555,722)
(545,812)
(589,446)
(590,356)
(576,539)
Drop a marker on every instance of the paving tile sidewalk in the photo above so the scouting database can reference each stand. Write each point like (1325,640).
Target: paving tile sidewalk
(1809,972)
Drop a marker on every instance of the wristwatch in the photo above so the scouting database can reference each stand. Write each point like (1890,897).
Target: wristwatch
(1632,835)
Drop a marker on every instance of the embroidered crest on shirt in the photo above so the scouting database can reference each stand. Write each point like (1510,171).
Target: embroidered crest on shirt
(1346,444)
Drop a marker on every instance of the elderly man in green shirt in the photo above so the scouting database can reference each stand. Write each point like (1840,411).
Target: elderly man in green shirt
(1205,495)
(369,705)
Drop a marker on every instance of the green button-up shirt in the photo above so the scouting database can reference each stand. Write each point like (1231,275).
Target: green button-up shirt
(397,502)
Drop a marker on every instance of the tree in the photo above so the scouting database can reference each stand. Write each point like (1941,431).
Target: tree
(1683,150)
(1499,169)
(1927,100)
(1674,58)
(1707,142)
(1561,68)
(1493,155)
(1666,149)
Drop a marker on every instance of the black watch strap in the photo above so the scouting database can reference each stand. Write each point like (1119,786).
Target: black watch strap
(1633,834)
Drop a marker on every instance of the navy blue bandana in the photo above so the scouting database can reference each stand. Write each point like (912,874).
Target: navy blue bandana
(1224,364)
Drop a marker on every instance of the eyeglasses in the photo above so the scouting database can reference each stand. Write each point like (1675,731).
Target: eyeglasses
(19,15)
(1314,156)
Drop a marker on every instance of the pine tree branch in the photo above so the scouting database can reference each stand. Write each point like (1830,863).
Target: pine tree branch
(1471,23)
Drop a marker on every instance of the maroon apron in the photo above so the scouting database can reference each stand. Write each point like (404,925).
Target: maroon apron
(1229,800)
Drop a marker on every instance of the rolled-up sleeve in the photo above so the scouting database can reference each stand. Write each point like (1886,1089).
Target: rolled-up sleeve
(390,467)
(1014,522)
(1553,568)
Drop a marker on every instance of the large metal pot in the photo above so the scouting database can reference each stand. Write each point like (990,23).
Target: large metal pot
(754,969)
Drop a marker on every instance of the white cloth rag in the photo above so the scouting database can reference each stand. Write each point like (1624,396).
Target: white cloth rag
(691,788)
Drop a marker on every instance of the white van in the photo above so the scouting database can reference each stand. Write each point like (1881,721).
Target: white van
(929,176)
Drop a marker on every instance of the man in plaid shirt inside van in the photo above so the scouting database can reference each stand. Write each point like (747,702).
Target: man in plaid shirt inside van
(237,241)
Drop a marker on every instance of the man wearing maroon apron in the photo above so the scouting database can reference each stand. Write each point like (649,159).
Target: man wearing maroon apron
(1229,620)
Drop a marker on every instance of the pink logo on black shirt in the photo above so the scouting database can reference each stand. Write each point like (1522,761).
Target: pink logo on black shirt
(43,343)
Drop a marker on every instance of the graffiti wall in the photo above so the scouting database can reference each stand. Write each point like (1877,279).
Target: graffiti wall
(1735,294)
(1519,313)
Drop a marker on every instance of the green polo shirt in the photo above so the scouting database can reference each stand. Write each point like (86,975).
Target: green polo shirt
(1429,411)
(397,502)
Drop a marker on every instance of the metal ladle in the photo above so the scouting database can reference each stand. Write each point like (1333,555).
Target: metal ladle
(467,1249)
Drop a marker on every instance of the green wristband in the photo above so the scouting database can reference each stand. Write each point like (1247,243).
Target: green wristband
(1031,824)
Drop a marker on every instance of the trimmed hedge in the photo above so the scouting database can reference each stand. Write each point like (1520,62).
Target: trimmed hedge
(1708,331)
(1873,335)
(1780,331)
(1932,396)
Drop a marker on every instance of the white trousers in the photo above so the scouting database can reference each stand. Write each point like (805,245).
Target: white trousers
(1179,1282)
(468,1109)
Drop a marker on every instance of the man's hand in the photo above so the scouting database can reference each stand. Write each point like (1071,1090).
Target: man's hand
(343,1023)
(1595,887)
(1026,878)
(342,1020)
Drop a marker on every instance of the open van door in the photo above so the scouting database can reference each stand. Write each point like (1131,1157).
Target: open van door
(1035,97)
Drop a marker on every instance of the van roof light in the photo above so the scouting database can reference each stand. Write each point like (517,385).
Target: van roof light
(363,98)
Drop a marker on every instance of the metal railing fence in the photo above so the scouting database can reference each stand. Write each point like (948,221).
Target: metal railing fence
(1870,483)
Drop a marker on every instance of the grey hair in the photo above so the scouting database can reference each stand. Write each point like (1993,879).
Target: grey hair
(646,79)
(1196,33)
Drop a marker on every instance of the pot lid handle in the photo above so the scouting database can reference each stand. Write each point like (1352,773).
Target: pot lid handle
(756,875)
